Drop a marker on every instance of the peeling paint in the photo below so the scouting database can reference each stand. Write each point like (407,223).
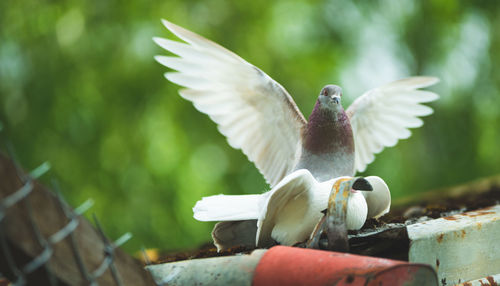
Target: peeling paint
(466,248)
(479,225)
(478,213)
(440,238)
(491,280)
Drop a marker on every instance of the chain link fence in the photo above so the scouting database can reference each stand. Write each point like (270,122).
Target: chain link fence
(45,242)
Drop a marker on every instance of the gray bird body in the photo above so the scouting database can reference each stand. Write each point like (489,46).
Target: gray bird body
(328,144)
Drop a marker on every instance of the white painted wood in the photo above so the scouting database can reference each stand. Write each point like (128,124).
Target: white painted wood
(490,280)
(461,247)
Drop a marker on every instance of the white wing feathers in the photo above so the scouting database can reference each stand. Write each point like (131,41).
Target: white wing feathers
(287,203)
(382,116)
(378,200)
(254,112)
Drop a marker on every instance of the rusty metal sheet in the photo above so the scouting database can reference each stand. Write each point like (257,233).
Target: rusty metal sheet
(460,247)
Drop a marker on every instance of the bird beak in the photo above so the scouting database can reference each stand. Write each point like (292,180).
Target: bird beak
(336,99)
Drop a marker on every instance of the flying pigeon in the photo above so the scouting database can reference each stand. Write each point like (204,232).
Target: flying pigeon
(288,213)
(258,116)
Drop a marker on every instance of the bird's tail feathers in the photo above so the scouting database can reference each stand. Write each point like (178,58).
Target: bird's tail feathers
(227,208)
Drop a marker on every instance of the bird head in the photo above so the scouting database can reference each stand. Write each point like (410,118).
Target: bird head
(330,96)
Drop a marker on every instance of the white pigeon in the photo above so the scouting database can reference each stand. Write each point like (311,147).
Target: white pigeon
(288,213)
(258,116)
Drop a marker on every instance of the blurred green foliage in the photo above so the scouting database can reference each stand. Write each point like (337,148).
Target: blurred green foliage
(79,87)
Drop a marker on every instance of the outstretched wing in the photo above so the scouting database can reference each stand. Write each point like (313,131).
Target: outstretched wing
(254,112)
(287,204)
(382,116)
(379,199)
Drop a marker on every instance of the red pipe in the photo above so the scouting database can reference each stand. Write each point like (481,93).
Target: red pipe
(283,265)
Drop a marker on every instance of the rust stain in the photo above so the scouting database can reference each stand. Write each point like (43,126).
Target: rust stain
(479,225)
(476,214)
(451,218)
(467,284)
(440,237)
(331,200)
(482,283)
(337,183)
(463,233)
(491,280)
(336,187)
(346,194)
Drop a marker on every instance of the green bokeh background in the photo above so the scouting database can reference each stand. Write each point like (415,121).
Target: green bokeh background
(79,88)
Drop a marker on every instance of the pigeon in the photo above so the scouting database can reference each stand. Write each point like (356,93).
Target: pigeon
(258,116)
(288,213)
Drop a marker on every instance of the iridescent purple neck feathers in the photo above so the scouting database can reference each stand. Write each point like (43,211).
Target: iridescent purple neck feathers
(327,143)
(327,130)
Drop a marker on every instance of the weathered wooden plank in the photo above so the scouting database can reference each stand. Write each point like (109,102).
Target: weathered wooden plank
(43,210)
(461,247)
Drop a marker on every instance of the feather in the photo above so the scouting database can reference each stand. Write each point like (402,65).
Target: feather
(384,114)
(227,88)
(227,208)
